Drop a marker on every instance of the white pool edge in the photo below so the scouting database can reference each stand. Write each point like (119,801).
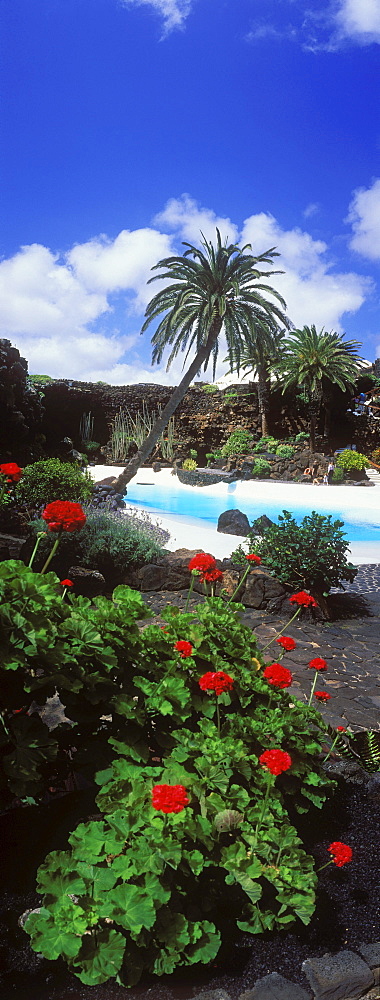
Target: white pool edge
(189,535)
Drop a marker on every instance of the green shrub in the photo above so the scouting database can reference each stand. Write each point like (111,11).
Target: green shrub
(301,437)
(310,555)
(140,890)
(50,479)
(108,543)
(375,455)
(261,468)
(91,447)
(238,443)
(268,443)
(337,476)
(213,456)
(348,460)
(189,465)
(285,451)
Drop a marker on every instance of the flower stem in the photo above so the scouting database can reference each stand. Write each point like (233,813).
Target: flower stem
(261,817)
(52,553)
(6,730)
(38,539)
(240,584)
(217,713)
(325,866)
(192,578)
(277,636)
(312,688)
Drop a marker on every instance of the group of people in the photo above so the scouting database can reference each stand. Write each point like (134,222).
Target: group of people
(365,402)
(325,479)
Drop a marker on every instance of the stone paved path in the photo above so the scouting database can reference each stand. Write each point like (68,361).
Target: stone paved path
(351,647)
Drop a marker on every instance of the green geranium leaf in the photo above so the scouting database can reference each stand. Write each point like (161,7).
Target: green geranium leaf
(100,958)
(48,939)
(129,906)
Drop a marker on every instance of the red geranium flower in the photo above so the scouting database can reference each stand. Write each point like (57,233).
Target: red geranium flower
(276,761)
(169,798)
(341,853)
(303,600)
(278,676)
(63,515)
(11,471)
(218,682)
(318,664)
(203,562)
(183,647)
(341,729)
(66,583)
(253,558)
(286,642)
(212,575)
(322,695)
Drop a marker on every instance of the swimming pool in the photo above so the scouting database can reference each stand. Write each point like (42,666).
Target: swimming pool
(164,494)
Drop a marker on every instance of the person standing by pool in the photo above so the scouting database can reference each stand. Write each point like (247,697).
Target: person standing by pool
(330,471)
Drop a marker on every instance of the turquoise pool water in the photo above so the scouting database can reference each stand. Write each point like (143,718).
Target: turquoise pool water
(190,503)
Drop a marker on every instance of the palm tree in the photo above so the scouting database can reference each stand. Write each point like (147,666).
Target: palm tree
(211,290)
(317,361)
(258,357)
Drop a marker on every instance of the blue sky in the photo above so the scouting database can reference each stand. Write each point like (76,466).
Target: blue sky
(130,125)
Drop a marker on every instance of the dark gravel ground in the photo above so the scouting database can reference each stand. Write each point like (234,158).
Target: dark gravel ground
(347,912)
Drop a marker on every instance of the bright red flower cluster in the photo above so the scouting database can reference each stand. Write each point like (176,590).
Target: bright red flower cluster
(66,583)
(276,761)
(318,664)
(303,600)
(63,515)
(286,642)
(11,471)
(218,682)
(203,562)
(278,676)
(322,695)
(212,576)
(183,647)
(169,798)
(341,853)
(252,558)
(341,729)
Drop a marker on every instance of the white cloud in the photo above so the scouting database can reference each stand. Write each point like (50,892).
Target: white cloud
(53,308)
(39,294)
(364,215)
(78,315)
(105,265)
(313,293)
(311,209)
(173,12)
(190,220)
(359,20)
(322,27)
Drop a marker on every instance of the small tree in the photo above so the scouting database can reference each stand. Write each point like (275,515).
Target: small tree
(310,555)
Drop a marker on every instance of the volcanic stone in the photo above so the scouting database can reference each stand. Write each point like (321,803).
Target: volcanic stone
(275,987)
(87,582)
(261,588)
(338,977)
(233,522)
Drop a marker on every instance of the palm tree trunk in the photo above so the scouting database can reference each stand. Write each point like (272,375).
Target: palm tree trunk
(176,398)
(263,395)
(314,408)
(327,403)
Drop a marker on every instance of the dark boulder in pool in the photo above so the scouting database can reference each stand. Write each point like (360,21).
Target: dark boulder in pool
(233,522)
